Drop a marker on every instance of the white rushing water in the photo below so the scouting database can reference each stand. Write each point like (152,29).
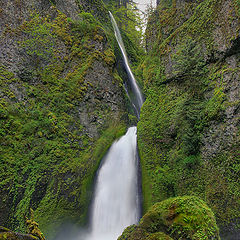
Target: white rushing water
(116,201)
(138,101)
(144,6)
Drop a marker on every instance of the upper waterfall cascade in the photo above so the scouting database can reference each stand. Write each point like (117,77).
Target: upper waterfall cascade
(138,101)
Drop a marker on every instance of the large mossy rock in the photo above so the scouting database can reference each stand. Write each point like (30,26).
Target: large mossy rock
(185,217)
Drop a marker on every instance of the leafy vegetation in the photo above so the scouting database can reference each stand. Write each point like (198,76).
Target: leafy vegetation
(188,61)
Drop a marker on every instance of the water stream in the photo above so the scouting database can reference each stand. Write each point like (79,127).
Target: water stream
(138,98)
(116,202)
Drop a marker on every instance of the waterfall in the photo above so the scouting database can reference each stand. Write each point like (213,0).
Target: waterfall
(138,101)
(116,202)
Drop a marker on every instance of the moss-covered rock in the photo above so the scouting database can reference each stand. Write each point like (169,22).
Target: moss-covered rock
(185,217)
(6,234)
(158,236)
(61,107)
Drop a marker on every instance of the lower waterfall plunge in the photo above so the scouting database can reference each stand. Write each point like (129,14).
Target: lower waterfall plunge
(116,202)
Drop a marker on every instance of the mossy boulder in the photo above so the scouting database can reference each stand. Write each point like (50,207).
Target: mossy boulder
(159,236)
(186,217)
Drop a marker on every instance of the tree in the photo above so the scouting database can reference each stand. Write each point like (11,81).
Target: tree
(188,60)
(128,18)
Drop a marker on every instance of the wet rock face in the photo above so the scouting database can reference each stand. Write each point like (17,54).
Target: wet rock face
(222,30)
(102,89)
(13,14)
(221,135)
(96,7)
(175,14)
(103,94)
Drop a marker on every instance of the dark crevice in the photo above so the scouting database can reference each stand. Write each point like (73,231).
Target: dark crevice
(175,78)
(235,49)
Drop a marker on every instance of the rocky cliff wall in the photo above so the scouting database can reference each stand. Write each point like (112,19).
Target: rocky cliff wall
(189,127)
(62,105)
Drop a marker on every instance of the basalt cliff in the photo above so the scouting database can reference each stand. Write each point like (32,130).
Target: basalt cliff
(188,134)
(62,103)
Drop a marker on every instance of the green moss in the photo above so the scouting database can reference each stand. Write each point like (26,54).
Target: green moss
(186,106)
(109,57)
(6,234)
(97,8)
(181,217)
(133,233)
(158,236)
(237,6)
(185,217)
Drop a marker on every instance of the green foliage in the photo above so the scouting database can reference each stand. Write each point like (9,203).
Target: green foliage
(215,104)
(188,60)
(168,121)
(191,161)
(237,5)
(109,57)
(166,3)
(189,121)
(39,39)
(96,8)
(86,25)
